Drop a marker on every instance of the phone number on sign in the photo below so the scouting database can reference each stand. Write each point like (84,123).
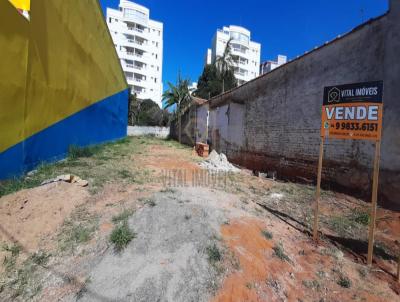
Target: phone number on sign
(356,126)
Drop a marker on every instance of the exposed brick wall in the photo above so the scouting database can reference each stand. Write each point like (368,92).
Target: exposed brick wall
(282,112)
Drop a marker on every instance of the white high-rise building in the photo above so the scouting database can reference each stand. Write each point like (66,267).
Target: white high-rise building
(267,66)
(139,44)
(247,52)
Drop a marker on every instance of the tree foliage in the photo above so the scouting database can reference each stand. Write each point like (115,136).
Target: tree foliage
(219,76)
(211,81)
(178,95)
(208,84)
(146,113)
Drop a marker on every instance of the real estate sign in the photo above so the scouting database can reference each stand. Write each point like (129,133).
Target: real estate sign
(353,111)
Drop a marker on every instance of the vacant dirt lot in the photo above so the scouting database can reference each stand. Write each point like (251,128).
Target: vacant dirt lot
(153,226)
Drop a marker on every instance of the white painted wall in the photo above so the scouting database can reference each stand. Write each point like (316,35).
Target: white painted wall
(161,132)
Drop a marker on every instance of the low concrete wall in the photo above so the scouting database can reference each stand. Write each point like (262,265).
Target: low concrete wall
(161,132)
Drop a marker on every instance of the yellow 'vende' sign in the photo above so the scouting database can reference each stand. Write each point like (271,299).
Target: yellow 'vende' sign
(353,111)
(21,4)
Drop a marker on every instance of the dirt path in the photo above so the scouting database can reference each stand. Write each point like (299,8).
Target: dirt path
(235,238)
(168,259)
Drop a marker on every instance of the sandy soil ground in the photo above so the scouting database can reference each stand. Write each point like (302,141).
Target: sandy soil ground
(259,227)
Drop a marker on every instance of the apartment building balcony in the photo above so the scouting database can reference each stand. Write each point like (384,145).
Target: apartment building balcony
(141,32)
(240,72)
(241,62)
(135,80)
(239,49)
(134,44)
(239,52)
(132,55)
(140,91)
(134,67)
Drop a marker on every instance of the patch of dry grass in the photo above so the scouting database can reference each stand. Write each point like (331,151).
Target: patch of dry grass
(100,164)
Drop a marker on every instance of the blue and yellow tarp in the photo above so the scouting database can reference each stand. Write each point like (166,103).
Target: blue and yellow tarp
(61,82)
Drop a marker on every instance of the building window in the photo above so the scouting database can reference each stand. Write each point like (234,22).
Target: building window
(132,13)
(240,37)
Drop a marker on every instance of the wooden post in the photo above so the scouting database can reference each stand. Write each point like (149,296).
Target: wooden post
(372,224)
(398,269)
(318,193)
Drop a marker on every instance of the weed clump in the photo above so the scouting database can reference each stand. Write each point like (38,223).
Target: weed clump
(213,253)
(280,253)
(342,225)
(10,261)
(267,234)
(344,282)
(361,217)
(312,284)
(21,281)
(40,258)
(121,236)
(77,229)
(123,216)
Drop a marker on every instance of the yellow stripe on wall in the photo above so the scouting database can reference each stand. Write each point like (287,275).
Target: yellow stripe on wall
(14,33)
(22,4)
(72,64)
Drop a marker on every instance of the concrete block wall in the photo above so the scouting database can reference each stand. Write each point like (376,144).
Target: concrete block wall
(161,132)
(282,112)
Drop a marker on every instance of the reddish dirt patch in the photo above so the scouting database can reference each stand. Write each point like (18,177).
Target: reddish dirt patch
(29,216)
(311,273)
(243,238)
(166,161)
(388,228)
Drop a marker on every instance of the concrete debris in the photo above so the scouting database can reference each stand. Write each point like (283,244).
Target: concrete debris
(31,173)
(276,195)
(67,178)
(218,162)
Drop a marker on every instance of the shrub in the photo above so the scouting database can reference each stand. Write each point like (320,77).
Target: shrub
(344,281)
(267,234)
(121,236)
(280,253)
(213,253)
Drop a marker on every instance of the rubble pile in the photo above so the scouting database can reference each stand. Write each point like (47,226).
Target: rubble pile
(218,162)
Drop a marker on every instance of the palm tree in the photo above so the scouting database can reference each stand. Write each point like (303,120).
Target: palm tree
(179,95)
(225,62)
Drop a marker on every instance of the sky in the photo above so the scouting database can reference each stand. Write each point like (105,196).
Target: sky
(288,27)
